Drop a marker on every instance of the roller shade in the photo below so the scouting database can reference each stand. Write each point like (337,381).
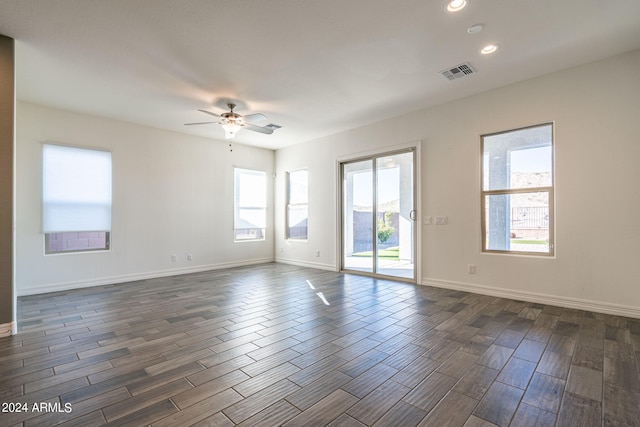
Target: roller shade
(76,189)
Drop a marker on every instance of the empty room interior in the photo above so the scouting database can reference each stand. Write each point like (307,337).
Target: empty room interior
(320,213)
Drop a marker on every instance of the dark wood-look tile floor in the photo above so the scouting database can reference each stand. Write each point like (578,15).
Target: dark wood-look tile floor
(259,346)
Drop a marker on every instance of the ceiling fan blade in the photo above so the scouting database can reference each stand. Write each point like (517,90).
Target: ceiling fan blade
(210,113)
(258,128)
(252,118)
(199,123)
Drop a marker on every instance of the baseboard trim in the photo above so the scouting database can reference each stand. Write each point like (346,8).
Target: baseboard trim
(568,302)
(66,286)
(6,329)
(318,265)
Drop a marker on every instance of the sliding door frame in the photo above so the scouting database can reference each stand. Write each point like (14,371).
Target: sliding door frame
(417,203)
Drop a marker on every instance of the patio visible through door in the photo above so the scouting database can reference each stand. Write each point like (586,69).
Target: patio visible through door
(378,216)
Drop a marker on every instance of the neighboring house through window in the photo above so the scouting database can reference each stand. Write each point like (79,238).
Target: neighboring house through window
(250,219)
(517,191)
(297,204)
(76,199)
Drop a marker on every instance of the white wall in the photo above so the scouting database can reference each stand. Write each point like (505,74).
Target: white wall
(596,111)
(172,194)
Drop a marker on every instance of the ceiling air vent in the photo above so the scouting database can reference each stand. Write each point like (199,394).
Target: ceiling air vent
(458,71)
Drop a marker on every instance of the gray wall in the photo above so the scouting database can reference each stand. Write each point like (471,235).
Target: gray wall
(6,178)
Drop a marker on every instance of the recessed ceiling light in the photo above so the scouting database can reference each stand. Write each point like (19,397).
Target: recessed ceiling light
(456,5)
(490,48)
(475,29)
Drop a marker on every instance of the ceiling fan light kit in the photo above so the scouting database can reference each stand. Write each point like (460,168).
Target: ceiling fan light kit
(230,128)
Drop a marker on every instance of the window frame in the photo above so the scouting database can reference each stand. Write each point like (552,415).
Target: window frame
(236,205)
(49,234)
(290,205)
(549,190)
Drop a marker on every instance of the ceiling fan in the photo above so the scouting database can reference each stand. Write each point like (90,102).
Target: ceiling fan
(233,122)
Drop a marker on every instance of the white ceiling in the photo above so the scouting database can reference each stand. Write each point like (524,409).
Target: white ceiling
(314,67)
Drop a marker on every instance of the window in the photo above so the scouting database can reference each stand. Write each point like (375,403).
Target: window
(297,205)
(517,191)
(76,199)
(250,204)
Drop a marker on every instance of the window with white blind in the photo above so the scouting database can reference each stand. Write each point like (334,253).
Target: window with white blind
(250,202)
(76,199)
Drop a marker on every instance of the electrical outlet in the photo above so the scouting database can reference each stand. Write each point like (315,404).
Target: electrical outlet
(317,253)
(189,257)
(174,258)
(471,269)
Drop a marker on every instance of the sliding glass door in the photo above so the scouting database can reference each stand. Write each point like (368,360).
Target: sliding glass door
(378,216)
